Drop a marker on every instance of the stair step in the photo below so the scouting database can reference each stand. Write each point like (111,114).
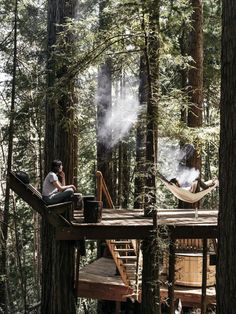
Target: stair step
(123,250)
(130,265)
(131,276)
(120,242)
(128,257)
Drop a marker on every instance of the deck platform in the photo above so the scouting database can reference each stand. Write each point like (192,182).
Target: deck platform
(131,224)
(98,280)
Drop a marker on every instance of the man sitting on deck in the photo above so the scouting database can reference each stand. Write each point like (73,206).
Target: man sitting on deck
(56,191)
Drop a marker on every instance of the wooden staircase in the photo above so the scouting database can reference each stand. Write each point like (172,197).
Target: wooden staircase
(128,260)
(126,253)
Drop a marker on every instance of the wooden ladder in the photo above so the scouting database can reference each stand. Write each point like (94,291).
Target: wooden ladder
(126,253)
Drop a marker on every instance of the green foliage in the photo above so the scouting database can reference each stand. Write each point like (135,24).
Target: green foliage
(28,133)
(119,34)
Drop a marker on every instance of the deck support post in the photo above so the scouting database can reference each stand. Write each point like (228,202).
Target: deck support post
(77,264)
(118,307)
(151,300)
(171,278)
(204,277)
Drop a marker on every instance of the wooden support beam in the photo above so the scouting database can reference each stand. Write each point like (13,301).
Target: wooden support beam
(118,307)
(34,198)
(194,231)
(204,277)
(113,231)
(171,279)
(101,232)
(77,266)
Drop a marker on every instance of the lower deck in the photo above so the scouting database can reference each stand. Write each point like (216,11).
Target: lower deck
(99,280)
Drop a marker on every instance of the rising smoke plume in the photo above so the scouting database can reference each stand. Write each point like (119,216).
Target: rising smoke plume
(119,120)
(172,160)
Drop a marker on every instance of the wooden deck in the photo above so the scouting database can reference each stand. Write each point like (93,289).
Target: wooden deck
(131,224)
(98,280)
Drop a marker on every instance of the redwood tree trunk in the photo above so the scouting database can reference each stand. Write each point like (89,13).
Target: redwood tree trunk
(150,279)
(196,72)
(152,64)
(226,271)
(104,149)
(104,102)
(195,81)
(60,143)
(139,183)
(4,306)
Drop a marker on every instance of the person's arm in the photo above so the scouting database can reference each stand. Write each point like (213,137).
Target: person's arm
(61,177)
(61,187)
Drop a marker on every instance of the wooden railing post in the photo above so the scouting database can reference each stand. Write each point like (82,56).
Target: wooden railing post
(99,186)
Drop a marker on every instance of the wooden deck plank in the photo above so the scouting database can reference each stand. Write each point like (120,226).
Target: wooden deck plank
(131,224)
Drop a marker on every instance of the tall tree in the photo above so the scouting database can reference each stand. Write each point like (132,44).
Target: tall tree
(4,227)
(226,272)
(195,82)
(60,142)
(141,137)
(150,279)
(104,103)
(195,76)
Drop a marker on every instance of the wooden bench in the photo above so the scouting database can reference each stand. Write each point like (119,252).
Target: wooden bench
(34,198)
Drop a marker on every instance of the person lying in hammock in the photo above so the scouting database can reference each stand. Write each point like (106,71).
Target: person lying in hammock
(193,186)
(188,194)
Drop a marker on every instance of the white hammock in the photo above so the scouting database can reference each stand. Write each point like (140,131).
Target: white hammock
(186,195)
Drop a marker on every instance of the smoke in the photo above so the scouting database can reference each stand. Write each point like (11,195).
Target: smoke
(172,160)
(119,120)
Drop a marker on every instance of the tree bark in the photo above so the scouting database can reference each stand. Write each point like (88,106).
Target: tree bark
(139,183)
(150,280)
(152,64)
(60,143)
(4,226)
(195,76)
(226,271)
(104,148)
(195,81)
(104,103)
(196,72)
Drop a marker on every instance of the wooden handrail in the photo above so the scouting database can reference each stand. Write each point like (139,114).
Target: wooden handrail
(102,188)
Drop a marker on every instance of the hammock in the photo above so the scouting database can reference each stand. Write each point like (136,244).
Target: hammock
(186,195)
